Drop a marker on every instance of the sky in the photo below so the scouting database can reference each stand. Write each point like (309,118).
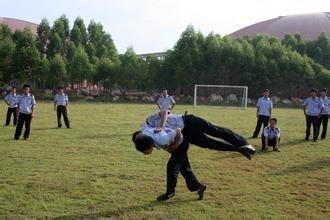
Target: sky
(156,25)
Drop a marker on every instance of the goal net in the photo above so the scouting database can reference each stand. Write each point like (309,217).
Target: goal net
(220,96)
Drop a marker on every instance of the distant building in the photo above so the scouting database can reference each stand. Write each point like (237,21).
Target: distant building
(18,25)
(159,55)
(309,26)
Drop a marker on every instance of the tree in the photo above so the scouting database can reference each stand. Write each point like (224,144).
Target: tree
(76,36)
(43,73)
(105,73)
(43,32)
(55,45)
(80,67)
(100,44)
(26,57)
(132,71)
(79,23)
(7,48)
(61,27)
(57,71)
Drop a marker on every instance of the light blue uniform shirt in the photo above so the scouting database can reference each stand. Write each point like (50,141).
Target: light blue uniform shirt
(264,105)
(25,103)
(12,99)
(272,133)
(162,139)
(173,121)
(326,108)
(61,99)
(313,106)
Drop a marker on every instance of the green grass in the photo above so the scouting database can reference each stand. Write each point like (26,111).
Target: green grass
(93,169)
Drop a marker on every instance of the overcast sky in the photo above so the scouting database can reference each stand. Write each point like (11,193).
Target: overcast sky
(156,25)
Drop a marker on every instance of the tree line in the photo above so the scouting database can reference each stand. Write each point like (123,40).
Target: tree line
(58,56)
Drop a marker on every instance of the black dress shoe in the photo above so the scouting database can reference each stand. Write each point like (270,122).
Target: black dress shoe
(247,150)
(165,196)
(200,192)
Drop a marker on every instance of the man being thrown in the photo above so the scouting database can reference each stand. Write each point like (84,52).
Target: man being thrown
(172,141)
(198,131)
(195,131)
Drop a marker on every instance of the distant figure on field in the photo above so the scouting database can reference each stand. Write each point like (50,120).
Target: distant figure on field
(264,112)
(61,106)
(11,101)
(25,112)
(165,102)
(271,135)
(323,119)
(312,108)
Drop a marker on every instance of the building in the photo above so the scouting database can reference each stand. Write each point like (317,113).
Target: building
(18,25)
(309,26)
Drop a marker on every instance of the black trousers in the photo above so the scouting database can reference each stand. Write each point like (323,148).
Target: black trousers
(61,110)
(179,163)
(309,121)
(198,131)
(262,119)
(23,119)
(324,121)
(11,111)
(271,142)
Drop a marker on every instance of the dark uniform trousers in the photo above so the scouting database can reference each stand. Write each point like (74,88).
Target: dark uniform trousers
(324,121)
(61,110)
(271,142)
(179,163)
(23,119)
(198,130)
(309,121)
(262,119)
(11,111)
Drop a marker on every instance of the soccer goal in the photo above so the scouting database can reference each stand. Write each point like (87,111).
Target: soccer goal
(221,96)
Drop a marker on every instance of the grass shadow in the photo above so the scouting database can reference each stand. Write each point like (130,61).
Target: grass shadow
(127,210)
(44,128)
(311,166)
(106,136)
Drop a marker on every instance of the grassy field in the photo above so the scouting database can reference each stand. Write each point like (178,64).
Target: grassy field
(93,169)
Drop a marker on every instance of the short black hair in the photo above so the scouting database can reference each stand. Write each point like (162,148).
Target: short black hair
(60,87)
(266,90)
(313,90)
(274,119)
(142,142)
(26,86)
(324,90)
(13,87)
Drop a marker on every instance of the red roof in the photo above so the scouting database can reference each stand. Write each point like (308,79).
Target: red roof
(310,26)
(16,24)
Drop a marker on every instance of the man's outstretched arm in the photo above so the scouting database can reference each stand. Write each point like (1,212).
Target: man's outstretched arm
(163,118)
(177,141)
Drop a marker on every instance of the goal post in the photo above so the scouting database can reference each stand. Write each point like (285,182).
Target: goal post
(221,96)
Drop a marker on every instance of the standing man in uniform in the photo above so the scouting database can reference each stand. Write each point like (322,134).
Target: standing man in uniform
(323,119)
(312,108)
(264,112)
(25,112)
(60,105)
(271,136)
(11,101)
(165,102)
